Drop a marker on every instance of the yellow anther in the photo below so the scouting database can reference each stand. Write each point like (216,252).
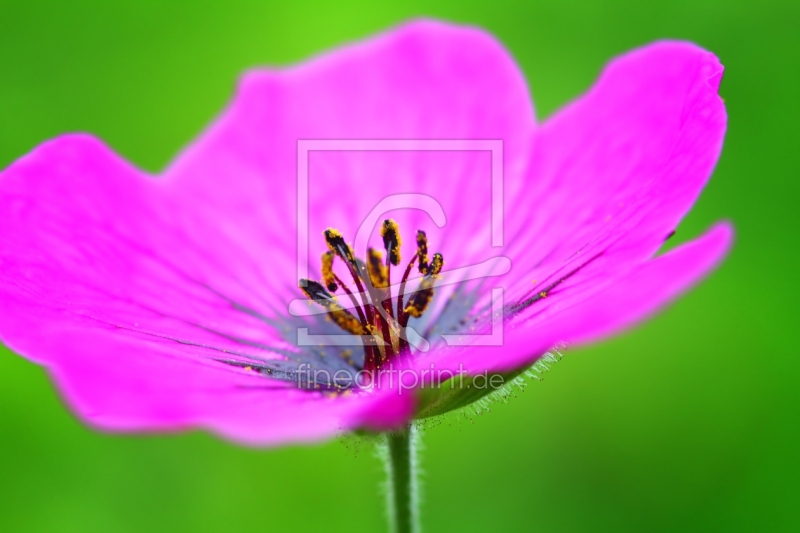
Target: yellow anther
(390,232)
(436,265)
(338,314)
(337,245)
(346,320)
(378,273)
(422,251)
(419,300)
(327,271)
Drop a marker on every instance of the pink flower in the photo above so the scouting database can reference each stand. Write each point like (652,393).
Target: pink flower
(160,304)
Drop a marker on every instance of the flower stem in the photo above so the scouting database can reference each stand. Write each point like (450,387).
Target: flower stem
(402,470)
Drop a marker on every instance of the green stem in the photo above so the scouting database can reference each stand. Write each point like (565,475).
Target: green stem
(401,467)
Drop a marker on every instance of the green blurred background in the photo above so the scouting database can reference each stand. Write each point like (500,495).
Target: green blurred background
(689,423)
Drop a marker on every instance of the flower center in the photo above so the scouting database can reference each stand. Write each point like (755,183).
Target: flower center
(378,320)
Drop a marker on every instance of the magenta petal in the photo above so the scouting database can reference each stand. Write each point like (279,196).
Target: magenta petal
(117,380)
(629,158)
(610,178)
(425,80)
(629,299)
(85,232)
(100,283)
(123,284)
(644,290)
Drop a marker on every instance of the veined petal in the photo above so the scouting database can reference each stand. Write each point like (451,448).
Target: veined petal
(623,163)
(84,231)
(610,178)
(131,313)
(424,81)
(116,380)
(584,317)
(109,275)
(645,289)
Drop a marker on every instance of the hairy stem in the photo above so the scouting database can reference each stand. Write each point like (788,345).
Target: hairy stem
(402,471)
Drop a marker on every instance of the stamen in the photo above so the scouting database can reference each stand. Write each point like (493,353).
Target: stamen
(378,273)
(341,316)
(391,240)
(422,251)
(422,297)
(419,300)
(352,297)
(383,335)
(436,265)
(379,277)
(401,292)
(328,276)
(338,246)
